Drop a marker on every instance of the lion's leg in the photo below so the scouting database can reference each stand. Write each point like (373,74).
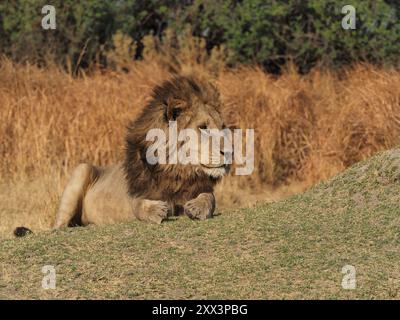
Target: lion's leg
(200,208)
(71,200)
(150,210)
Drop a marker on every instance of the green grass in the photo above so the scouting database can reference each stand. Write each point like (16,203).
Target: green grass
(291,249)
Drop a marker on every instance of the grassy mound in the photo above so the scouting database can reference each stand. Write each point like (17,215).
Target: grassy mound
(291,249)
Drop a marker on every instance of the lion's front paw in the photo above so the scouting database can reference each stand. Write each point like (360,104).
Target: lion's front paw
(155,211)
(198,210)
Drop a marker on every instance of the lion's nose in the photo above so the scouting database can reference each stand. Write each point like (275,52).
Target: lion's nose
(227,153)
(228,156)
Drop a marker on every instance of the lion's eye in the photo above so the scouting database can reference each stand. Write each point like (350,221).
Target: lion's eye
(203,127)
(176,112)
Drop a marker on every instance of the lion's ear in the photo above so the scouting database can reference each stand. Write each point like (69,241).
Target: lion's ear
(173,108)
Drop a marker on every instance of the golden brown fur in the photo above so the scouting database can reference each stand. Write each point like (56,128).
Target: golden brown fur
(136,189)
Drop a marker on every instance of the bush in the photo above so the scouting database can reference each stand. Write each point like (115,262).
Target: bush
(264,32)
(308,33)
(83,27)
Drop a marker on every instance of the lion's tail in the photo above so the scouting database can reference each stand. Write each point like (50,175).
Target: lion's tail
(21,232)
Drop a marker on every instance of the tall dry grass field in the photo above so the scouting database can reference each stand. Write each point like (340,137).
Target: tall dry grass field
(307,128)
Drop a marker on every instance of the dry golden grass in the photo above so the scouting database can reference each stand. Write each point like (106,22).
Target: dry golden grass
(307,128)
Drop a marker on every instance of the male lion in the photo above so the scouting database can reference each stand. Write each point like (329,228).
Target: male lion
(137,189)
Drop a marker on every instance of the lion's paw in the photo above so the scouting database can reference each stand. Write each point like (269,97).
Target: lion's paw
(197,210)
(156,211)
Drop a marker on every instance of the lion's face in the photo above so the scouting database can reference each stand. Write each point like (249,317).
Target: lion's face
(202,116)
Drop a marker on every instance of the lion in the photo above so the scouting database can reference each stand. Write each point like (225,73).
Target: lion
(135,189)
